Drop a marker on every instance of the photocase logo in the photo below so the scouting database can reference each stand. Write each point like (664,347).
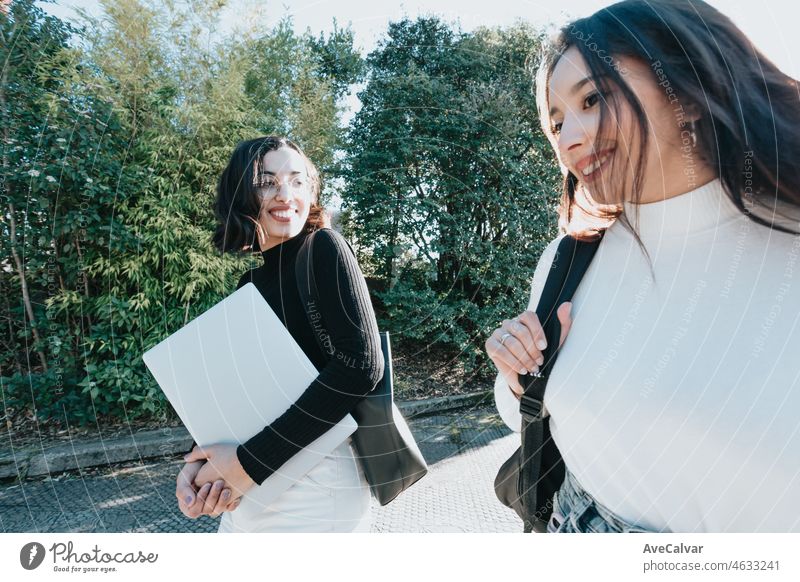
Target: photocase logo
(31,555)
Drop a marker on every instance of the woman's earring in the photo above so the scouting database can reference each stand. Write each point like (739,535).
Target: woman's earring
(693,133)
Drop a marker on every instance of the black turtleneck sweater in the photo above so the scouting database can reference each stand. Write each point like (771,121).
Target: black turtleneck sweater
(344,377)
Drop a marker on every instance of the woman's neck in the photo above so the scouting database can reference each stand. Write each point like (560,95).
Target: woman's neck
(666,189)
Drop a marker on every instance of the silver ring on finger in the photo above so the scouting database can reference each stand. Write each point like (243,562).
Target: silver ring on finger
(504,337)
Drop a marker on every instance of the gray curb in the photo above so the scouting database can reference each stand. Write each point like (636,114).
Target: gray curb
(166,442)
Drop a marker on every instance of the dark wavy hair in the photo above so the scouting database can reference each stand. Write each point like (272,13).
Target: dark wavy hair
(238,203)
(749,110)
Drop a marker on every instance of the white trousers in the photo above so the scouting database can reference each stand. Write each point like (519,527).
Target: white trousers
(333,497)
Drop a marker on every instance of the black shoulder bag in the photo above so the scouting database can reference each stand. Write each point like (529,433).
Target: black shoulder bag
(385,447)
(527,481)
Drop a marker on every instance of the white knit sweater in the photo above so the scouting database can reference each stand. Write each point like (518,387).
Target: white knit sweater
(675,401)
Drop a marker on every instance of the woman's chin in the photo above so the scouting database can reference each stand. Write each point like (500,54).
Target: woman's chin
(284,230)
(602,192)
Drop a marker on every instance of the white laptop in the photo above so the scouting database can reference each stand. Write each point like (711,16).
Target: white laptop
(232,371)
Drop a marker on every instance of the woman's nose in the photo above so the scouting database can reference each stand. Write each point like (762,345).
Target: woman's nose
(283,191)
(574,134)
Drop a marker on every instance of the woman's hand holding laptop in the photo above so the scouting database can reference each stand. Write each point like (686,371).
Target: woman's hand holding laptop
(201,488)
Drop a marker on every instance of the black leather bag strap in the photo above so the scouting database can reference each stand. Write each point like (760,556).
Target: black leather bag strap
(571,262)
(307,285)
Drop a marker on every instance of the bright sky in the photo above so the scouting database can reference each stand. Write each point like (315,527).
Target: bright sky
(771,24)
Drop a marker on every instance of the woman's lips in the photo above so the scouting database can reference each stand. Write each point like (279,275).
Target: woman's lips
(590,171)
(282,214)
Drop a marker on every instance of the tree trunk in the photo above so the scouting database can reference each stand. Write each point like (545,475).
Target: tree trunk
(389,266)
(85,313)
(12,345)
(13,225)
(23,281)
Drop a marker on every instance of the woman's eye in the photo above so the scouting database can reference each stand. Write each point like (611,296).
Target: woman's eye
(556,128)
(591,100)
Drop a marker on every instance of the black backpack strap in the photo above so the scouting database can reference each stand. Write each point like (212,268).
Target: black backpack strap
(572,259)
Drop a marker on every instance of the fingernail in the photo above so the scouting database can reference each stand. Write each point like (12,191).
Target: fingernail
(226,494)
(540,361)
(541,344)
(189,499)
(535,370)
(524,372)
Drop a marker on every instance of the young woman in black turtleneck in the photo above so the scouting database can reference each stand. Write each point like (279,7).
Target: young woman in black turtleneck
(268,201)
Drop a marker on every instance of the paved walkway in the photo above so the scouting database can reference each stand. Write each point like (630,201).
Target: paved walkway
(463,448)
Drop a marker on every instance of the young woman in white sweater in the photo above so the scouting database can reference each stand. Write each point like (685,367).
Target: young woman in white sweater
(676,395)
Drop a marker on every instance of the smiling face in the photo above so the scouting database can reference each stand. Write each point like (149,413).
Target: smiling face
(286,195)
(604,159)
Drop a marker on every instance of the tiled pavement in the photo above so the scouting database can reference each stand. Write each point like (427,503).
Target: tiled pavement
(463,448)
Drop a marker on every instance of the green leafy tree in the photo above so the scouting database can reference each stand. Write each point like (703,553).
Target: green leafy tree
(451,186)
(114,135)
(184,131)
(63,157)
